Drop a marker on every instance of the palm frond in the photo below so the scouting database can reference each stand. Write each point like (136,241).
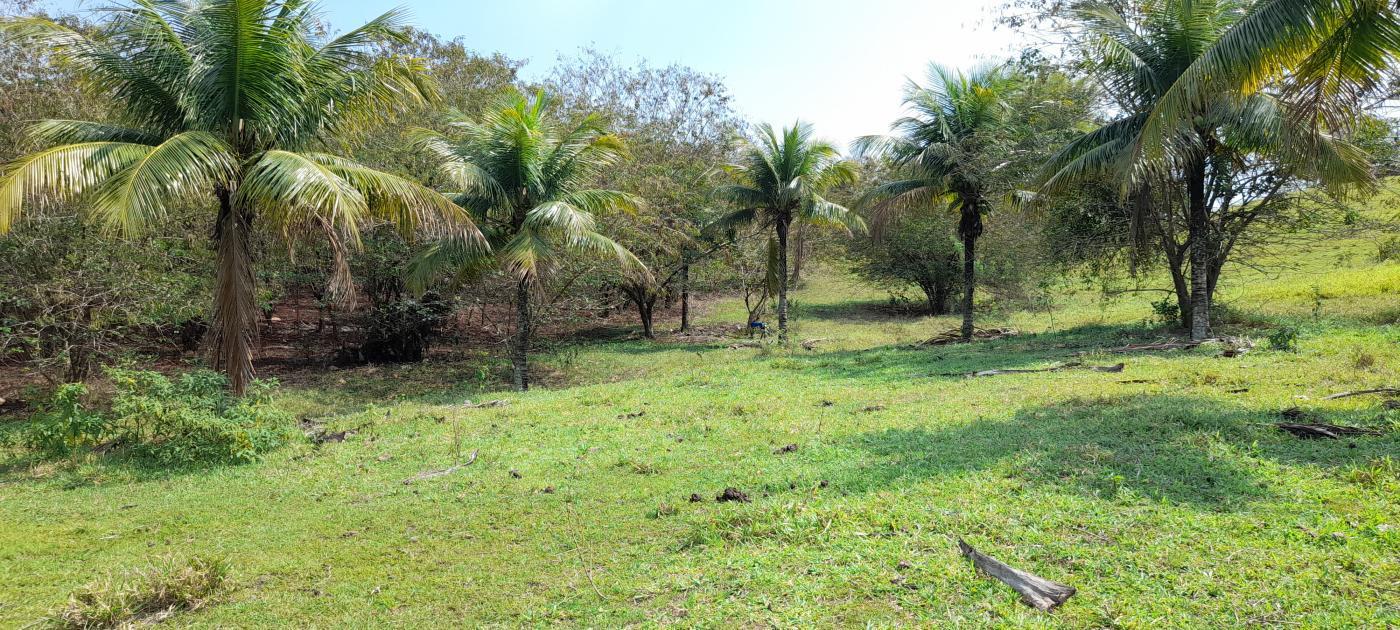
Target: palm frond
(739,195)
(61,174)
(294,192)
(56,132)
(820,211)
(188,165)
(410,206)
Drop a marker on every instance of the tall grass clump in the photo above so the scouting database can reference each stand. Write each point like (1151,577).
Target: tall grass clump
(150,593)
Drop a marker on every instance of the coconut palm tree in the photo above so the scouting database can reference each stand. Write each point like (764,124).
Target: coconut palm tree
(1327,55)
(780,179)
(524,177)
(941,150)
(1139,59)
(233,103)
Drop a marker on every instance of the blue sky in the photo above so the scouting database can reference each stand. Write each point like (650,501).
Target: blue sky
(838,64)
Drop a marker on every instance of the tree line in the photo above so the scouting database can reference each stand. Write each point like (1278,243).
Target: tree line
(167,153)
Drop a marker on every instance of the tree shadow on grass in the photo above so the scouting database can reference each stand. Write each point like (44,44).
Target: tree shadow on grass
(956,360)
(1178,449)
(864,311)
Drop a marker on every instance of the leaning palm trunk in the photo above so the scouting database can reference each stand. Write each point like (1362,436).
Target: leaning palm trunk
(784,223)
(520,344)
(233,331)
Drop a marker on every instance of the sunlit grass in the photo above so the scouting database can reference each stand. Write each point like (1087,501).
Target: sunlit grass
(1162,493)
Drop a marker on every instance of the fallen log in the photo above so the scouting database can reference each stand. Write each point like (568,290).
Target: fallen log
(1383,391)
(955,336)
(1035,591)
(433,474)
(1161,346)
(1323,431)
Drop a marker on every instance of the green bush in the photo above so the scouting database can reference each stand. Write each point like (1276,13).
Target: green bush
(1388,250)
(194,418)
(63,425)
(1166,311)
(1284,339)
(189,419)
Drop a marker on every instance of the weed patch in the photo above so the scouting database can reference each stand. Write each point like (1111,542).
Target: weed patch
(151,593)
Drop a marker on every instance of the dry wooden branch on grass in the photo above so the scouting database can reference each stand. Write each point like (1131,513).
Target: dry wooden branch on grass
(1150,347)
(1035,590)
(955,336)
(1323,431)
(433,474)
(1110,369)
(1383,391)
(490,403)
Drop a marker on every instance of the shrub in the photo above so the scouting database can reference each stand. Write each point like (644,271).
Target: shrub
(194,418)
(190,419)
(163,587)
(921,252)
(1388,250)
(401,331)
(1166,311)
(1284,339)
(63,425)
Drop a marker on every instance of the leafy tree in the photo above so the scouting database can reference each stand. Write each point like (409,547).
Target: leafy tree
(780,180)
(919,250)
(677,124)
(1225,169)
(233,101)
(944,151)
(525,179)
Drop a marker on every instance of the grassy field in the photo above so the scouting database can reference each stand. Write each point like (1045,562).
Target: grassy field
(1163,493)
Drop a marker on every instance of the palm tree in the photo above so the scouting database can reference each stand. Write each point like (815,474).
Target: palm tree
(233,101)
(1328,55)
(780,179)
(524,177)
(941,151)
(1139,60)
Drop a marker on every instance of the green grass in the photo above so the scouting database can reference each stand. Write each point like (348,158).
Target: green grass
(1162,493)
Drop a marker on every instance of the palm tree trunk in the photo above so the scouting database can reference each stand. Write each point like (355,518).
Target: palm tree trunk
(969,283)
(685,297)
(1198,227)
(1181,288)
(799,253)
(520,344)
(233,328)
(645,308)
(784,222)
